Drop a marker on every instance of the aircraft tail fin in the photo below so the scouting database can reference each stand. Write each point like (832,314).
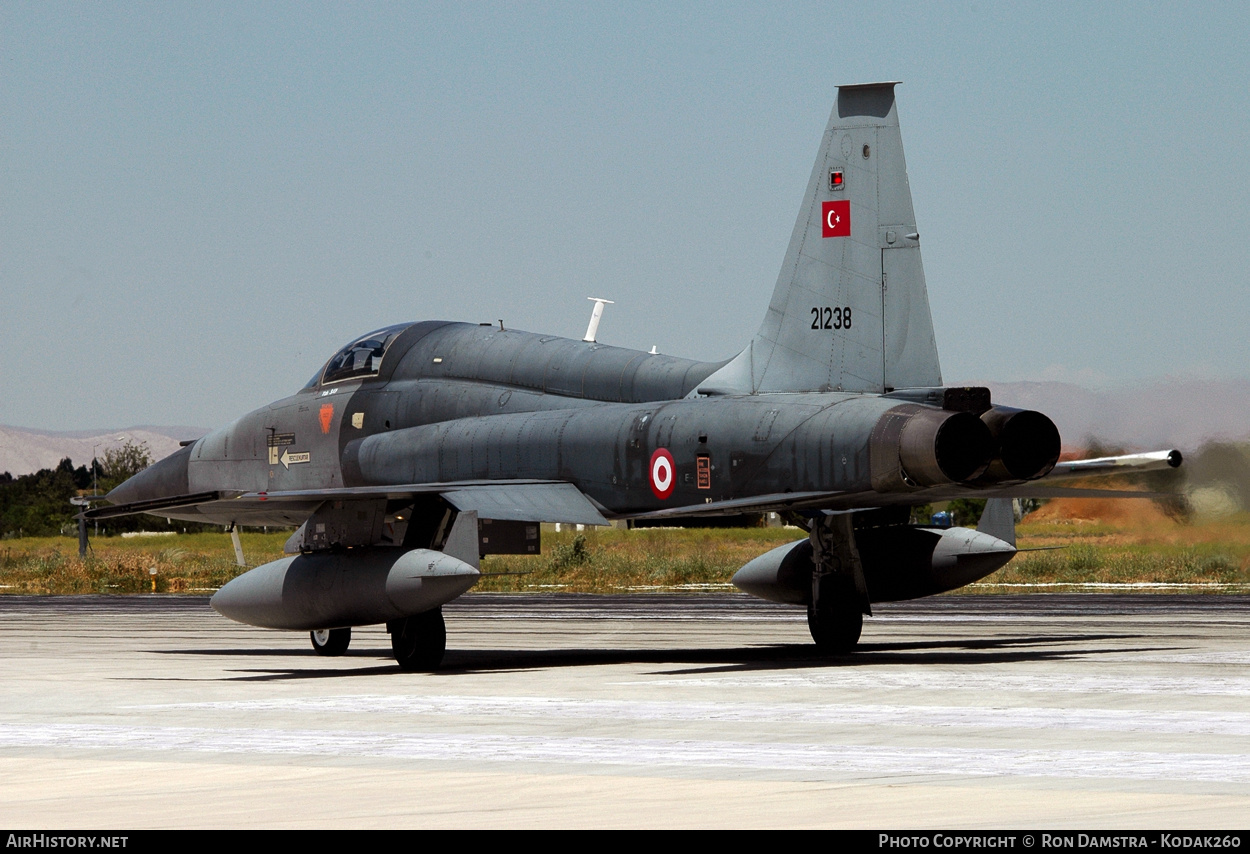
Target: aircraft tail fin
(999,520)
(850,311)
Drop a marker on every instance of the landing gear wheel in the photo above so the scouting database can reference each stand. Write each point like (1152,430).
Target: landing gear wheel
(419,641)
(330,641)
(835,627)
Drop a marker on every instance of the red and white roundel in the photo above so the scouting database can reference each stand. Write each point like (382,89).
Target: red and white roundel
(663,473)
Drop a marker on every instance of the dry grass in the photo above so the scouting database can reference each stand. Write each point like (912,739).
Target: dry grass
(185,563)
(1119,545)
(1100,542)
(598,560)
(614,561)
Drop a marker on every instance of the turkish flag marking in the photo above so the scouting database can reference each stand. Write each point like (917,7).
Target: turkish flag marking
(835,218)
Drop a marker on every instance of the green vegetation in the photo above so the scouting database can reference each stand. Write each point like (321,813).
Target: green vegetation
(965,511)
(37,505)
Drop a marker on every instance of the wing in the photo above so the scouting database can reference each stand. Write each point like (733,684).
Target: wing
(503,500)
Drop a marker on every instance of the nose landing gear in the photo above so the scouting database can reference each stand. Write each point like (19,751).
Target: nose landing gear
(330,641)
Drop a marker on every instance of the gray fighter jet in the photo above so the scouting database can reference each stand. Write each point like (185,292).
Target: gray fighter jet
(422,446)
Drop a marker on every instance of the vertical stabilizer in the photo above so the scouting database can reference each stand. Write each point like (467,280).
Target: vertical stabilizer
(850,311)
(998,519)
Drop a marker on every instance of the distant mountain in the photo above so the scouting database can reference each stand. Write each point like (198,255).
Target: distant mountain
(24,451)
(1174,413)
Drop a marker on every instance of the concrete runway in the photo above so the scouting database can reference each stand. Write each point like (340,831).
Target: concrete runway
(642,711)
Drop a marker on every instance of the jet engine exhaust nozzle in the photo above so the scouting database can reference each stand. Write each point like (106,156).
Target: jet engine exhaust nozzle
(915,446)
(1028,444)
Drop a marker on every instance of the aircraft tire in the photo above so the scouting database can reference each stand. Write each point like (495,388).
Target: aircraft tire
(835,627)
(420,641)
(330,641)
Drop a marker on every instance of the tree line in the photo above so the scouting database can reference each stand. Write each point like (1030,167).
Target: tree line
(37,505)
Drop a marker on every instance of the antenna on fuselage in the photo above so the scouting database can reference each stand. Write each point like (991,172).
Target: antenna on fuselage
(596,314)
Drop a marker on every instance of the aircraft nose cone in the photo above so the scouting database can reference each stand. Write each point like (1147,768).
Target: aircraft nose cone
(160,480)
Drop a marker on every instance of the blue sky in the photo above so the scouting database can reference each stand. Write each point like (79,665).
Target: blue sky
(200,202)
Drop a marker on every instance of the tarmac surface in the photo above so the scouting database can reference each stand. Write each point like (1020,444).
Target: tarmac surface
(962,712)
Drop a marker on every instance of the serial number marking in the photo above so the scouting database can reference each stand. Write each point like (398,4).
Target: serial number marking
(831,318)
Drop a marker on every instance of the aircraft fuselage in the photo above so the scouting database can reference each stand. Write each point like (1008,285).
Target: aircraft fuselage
(558,409)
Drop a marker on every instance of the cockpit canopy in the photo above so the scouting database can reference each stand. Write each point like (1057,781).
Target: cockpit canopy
(361,358)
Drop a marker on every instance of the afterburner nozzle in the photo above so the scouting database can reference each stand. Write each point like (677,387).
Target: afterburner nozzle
(914,446)
(1027,444)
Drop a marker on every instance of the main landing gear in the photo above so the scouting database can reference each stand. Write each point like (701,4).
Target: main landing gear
(330,641)
(836,624)
(419,641)
(839,600)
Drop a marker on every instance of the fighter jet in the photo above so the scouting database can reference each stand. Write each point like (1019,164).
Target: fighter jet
(420,447)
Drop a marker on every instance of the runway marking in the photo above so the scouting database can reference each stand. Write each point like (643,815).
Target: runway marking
(660,588)
(797,615)
(834,760)
(1182,658)
(786,615)
(1111,720)
(868,679)
(604,613)
(1118,585)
